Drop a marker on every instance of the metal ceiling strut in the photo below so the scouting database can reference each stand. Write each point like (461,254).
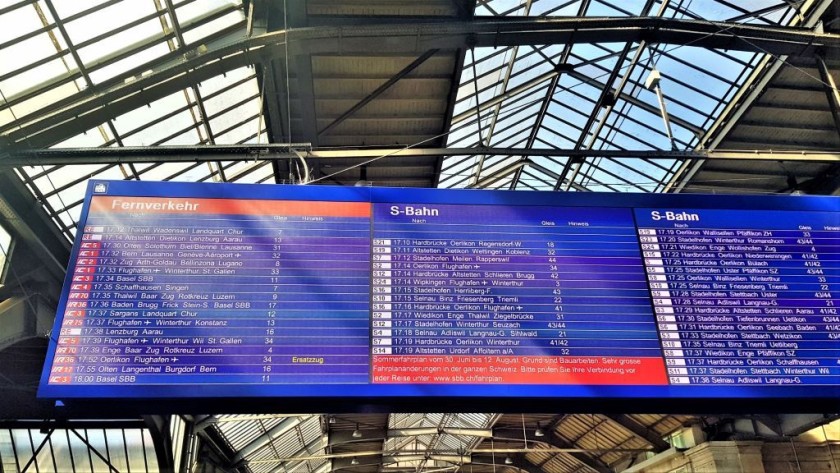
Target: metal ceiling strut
(198,154)
(97,104)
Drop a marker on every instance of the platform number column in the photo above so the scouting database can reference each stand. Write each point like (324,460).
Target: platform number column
(661,280)
(382,297)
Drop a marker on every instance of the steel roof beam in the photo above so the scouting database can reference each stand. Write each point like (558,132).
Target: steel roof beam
(775,426)
(315,444)
(832,95)
(95,105)
(518,461)
(640,431)
(379,90)
(25,218)
(377,36)
(197,154)
(795,424)
(267,437)
(549,94)
(555,440)
(750,91)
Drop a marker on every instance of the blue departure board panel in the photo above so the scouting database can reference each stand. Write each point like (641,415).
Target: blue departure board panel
(220,290)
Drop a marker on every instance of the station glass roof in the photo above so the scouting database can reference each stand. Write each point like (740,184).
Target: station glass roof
(51,50)
(599,101)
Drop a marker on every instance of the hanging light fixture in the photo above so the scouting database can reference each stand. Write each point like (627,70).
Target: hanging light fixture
(539,432)
(354,461)
(508,460)
(357,434)
(332,420)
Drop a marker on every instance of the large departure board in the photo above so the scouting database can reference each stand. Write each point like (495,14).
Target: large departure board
(221,290)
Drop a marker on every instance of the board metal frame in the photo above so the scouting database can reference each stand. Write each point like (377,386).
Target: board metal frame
(382,397)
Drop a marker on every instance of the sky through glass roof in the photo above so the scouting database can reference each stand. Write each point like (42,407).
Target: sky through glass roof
(560,96)
(52,50)
(593,96)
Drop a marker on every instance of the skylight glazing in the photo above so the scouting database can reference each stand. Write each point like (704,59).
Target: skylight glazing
(565,97)
(53,51)
(272,443)
(77,450)
(532,96)
(419,450)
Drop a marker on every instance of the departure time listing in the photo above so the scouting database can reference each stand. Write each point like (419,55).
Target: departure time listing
(217,291)
(745,297)
(531,295)
(228,291)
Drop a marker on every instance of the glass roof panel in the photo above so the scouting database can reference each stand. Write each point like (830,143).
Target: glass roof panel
(509,88)
(19,21)
(48,96)
(71,450)
(136,120)
(190,10)
(185,136)
(24,53)
(221,102)
(112,19)
(252,172)
(193,35)
(695,83)
(547,7)
(114,68)
(68,8)
(120,39)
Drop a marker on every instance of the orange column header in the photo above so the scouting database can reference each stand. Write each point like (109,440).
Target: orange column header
(162,205)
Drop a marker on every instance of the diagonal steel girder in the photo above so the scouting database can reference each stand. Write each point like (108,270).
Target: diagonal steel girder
(832,94)
(549,93)
(606,100)
(267,437)
(494,119)
(551,438)
(97,104)
(640,431)
(752,88)
(315,444)
(379,91)
(23,214)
